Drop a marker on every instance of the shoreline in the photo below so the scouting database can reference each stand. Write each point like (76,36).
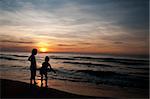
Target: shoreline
(17,89)
(21,89)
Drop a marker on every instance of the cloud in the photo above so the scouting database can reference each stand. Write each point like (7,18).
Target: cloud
(98,23)
(84,43)
(118,42)
(10,41)
(65,45)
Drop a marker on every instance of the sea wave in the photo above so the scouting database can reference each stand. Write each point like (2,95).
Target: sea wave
(123,61)
(101,73)
(87,63)
(20,55)
(118,60)
(15,55)
(141,68)
(113,78)
(10,58)
(119,71)
(62,58)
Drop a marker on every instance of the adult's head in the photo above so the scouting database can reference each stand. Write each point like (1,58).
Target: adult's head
(34,51)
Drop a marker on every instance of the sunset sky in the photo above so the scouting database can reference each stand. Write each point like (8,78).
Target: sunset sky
(85,26)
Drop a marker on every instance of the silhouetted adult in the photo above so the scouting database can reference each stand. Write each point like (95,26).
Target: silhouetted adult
(32,59)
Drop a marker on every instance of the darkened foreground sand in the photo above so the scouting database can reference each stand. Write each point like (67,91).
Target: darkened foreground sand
(17,89)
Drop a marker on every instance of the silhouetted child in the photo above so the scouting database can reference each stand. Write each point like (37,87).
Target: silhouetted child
(32,59)
(44,69)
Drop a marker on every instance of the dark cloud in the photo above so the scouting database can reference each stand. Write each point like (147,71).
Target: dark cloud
(65,45)
(15,39)
(118,42)
(84,43)
(131,14)
(11,48)
(10,41)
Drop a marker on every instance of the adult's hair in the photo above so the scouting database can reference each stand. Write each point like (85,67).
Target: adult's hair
(34,51)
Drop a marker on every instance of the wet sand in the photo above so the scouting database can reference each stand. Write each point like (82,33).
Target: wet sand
(17,89)
(99,91)
(63,89)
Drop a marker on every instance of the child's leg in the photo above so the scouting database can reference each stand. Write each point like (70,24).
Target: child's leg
(46,75)
(41,78)
(46,78)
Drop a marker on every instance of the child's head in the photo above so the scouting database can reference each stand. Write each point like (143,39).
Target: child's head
(34,51)
(46,59)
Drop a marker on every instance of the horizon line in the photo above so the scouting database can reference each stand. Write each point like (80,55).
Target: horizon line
(94,53)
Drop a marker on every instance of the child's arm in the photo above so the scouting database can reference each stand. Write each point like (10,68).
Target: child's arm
(52,68)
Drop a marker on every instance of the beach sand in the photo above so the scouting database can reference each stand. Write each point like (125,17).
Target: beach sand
(17,89)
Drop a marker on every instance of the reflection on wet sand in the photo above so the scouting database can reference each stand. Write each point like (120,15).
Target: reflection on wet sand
(41,84)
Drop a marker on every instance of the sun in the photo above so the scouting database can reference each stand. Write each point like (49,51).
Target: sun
(43,49)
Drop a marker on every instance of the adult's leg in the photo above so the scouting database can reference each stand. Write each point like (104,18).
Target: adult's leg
(31,78)
(34,74)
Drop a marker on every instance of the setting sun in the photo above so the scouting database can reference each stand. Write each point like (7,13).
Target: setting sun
(43,49)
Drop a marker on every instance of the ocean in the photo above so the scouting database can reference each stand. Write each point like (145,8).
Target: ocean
(90,69)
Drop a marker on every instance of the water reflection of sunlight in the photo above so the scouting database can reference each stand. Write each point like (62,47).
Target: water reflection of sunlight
(38,81)
(39,64)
